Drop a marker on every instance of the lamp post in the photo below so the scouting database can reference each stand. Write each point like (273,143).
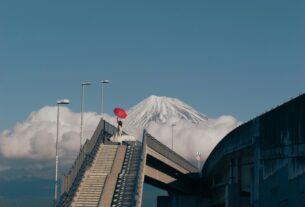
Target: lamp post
(60,102)
(103,82)
(173,136)
(81,114)
(198,158)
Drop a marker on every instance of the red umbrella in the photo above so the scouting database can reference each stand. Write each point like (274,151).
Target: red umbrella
(119,112)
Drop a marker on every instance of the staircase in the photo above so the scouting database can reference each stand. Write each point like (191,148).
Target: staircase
(111,179)
(126,185)
(104,173)
(92,184)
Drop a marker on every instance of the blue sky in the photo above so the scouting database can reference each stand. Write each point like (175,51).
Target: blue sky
(221,57)
(237,57)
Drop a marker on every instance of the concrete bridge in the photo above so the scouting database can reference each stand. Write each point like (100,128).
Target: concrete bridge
(107,174)
(259,164)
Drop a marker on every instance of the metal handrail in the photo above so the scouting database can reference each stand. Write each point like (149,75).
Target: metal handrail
(140,175)
(69,178)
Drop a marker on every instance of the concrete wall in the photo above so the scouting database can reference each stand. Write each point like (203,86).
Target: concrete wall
(269,161)
(280,191)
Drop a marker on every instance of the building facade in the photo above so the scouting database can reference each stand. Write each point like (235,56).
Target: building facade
(260,163)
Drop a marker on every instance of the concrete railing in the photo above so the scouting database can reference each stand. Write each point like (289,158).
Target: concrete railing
(168,153)
(140,175)
(242,137)
(69,178)
(109,128)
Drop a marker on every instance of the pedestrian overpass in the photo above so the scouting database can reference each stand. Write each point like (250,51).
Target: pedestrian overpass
(107,174)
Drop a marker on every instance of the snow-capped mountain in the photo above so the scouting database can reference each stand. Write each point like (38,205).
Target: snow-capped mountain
(160,110)
(177,125)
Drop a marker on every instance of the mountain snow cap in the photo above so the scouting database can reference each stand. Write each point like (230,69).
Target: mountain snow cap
(161,109)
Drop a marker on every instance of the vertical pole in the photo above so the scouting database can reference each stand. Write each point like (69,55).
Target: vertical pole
(103,82)
(172,137)
(231,173)
(198,164)
(81,117)
(198,158)
(56,158)
(257,173)
(102,104)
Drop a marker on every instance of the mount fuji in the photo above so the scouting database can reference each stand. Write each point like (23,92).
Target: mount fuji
(169,118)
(161,110)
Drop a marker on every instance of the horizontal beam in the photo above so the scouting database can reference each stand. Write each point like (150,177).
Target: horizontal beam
(167,161)
(158,178)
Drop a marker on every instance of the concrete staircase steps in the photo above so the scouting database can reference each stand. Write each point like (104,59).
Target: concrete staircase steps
(126,183)
(93,182)
(110,181)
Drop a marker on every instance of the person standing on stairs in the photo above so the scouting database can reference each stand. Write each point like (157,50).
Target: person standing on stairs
(120,130)
(120,113)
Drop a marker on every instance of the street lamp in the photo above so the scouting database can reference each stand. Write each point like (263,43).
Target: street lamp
(60,102)
(81,114)
(173,136)
(103,82)
(198,158)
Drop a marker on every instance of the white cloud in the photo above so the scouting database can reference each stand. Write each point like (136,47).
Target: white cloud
(33,140)
(190,138)
(35,137)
